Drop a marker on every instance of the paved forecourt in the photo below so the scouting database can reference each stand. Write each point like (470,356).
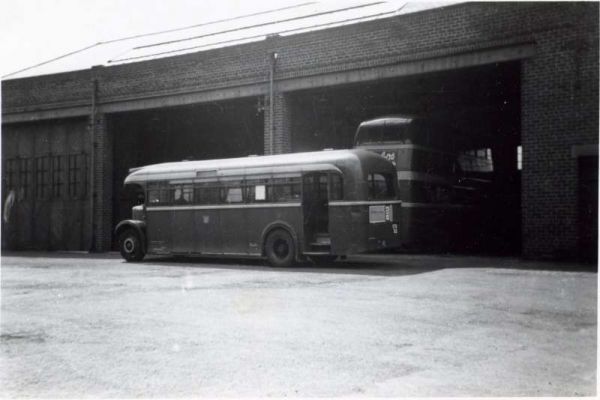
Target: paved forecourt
(77,324)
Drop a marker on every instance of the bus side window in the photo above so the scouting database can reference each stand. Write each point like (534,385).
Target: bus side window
(234,195)
(206,193)
(231,192)
(337,190)
(296,184)
(256,190)
(158,193)
(181,194)
(285,189)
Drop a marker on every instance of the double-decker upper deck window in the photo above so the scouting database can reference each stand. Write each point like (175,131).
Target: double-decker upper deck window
(477,160)
(381,186)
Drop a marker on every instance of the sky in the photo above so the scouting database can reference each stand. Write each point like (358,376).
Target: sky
(33,31)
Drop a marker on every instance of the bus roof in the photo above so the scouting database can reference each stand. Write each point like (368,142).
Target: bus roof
(318,160)
(388,120)
(406,129)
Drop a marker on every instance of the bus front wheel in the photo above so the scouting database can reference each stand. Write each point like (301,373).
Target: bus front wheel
(130,245)
(280,249)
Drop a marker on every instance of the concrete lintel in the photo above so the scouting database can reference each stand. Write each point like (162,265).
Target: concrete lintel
(183,99)
(471,59)
(27,116)
(466,59)
(139,104)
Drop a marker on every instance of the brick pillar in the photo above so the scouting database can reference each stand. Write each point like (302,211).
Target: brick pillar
(102,184)
(281,124)
(559,110)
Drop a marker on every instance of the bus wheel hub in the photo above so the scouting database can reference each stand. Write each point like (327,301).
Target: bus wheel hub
(129,245)
(281,248)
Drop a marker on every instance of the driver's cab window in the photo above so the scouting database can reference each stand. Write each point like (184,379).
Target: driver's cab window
(158,193)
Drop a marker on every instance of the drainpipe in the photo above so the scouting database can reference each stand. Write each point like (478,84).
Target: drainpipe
(271,75)
(92,161)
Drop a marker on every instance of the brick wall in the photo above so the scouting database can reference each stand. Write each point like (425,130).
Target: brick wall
(102,183)
(66,89)
(559,90)
(281,124)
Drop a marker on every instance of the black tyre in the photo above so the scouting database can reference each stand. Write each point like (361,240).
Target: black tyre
(324,259)
(280,249)
(130,245)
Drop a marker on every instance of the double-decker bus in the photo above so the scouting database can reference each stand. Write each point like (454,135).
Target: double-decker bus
(438,200)
(285,207)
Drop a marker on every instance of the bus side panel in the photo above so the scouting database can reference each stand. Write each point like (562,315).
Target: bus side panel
(233,230)
(182,231)
(158,229)
(348,227)
(260,218)
(207,238)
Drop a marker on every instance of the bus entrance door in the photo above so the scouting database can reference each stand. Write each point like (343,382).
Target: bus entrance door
(315,206)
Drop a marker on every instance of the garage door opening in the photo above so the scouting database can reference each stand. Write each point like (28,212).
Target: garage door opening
(197,132)
(480,105)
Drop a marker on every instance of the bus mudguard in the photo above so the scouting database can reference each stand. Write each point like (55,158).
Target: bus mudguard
(139,226)
(279,225)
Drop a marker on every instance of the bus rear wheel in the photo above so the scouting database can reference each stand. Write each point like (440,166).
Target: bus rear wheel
(130,246)
(280,249)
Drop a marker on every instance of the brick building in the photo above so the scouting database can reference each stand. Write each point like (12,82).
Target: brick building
(507,76)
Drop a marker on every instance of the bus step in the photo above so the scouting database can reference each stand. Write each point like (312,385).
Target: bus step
(320,247)
(316,253)
(321,240)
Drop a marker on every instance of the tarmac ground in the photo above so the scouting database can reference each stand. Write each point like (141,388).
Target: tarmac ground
(80,325)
